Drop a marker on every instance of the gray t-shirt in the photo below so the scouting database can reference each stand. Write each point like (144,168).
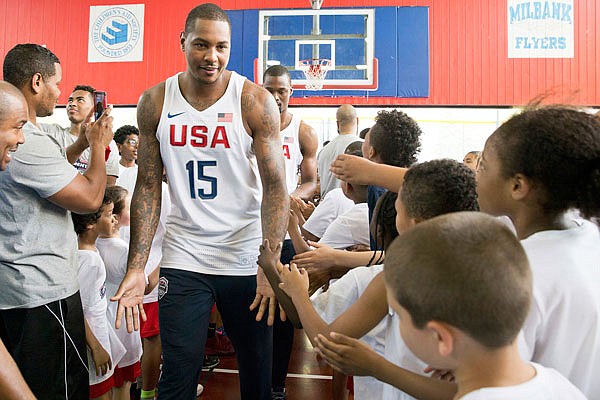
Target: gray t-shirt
(327,155)
(38,245)
(64,138)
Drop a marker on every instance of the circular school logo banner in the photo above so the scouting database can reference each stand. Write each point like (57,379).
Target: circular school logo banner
(116,33)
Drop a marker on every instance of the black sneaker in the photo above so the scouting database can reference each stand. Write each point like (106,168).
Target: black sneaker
(279,395)
(210,362)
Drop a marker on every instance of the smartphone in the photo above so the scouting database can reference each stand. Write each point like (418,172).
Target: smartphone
(99,103)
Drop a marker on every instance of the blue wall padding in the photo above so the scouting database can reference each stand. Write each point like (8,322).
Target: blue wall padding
(401,46)
(413,52)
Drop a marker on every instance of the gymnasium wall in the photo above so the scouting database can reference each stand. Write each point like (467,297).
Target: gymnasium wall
(467,50)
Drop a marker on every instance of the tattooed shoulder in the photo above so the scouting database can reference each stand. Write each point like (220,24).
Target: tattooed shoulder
(148,114)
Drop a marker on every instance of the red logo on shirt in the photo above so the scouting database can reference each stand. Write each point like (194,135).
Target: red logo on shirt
(286,151)
(199,136)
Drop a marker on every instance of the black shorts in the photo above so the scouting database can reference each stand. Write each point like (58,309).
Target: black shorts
(52,359)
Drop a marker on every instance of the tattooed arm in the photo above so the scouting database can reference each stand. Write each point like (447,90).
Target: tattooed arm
(261,118)
(145,209)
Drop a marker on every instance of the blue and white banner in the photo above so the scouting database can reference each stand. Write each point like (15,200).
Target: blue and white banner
(116,33)
(540,29)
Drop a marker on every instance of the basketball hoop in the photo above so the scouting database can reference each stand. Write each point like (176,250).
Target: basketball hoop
(315,71)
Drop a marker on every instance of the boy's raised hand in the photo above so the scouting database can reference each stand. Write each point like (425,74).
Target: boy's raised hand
(351,169)
(347,355)
(268,257)
(293,221)
(294,281)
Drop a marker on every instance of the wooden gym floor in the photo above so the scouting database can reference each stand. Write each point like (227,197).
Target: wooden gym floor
(308,378)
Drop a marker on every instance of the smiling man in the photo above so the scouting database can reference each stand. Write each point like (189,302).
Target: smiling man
(79,106)
(13,116)
(217,135)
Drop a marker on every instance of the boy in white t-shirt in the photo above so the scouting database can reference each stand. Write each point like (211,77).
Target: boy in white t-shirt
(345,291)
(114,251)
(347,230)
(462,286)
(104,348)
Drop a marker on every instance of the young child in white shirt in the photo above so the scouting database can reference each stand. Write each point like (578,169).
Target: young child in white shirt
(114,252)
(462,287)
(104,348)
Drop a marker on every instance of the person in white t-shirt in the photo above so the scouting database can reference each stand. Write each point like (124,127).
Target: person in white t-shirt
(79,106)
(535,168)
(332,206)
(104,348)
(345,291)
(114,251)
(462,287)
(149,329)
(347,230)
(127,138)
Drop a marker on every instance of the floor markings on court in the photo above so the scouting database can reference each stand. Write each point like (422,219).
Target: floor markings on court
(301,376)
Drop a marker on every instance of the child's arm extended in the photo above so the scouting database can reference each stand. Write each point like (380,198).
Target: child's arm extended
(152,280)
(353,357)
(101,357)
(298,242)
(356,321)
(272,273)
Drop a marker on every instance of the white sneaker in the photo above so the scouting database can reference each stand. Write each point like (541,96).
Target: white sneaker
(199,390)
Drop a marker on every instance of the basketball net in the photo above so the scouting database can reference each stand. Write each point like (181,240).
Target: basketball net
(315,71)
(316,4)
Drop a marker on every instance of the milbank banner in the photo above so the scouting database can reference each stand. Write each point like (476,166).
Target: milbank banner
(116,33)
(540,29)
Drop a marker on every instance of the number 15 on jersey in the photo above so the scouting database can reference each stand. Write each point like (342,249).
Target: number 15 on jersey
(197,173)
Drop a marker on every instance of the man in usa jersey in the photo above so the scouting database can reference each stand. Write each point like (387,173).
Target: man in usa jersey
(217,136)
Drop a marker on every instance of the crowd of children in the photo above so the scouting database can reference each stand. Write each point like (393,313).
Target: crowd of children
(496,307)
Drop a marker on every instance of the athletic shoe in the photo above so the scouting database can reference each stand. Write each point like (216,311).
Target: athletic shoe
(279,395)
(218,345)
(210,362)
(199,390)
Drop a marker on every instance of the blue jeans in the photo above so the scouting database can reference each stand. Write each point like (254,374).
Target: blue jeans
(183,314)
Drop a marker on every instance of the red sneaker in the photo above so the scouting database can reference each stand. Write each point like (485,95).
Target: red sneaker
(218,345)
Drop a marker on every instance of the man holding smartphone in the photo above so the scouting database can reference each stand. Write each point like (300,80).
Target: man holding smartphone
(41,318)
(79,105)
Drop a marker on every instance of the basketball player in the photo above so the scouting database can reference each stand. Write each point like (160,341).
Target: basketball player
(217,135)
(299,152)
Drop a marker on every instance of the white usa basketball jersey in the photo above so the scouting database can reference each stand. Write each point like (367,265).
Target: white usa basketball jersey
(292,154)
(214,226)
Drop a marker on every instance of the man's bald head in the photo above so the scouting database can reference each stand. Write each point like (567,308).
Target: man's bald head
(9,97)
(346,119)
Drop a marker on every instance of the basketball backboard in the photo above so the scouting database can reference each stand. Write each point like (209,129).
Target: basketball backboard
(345,37)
